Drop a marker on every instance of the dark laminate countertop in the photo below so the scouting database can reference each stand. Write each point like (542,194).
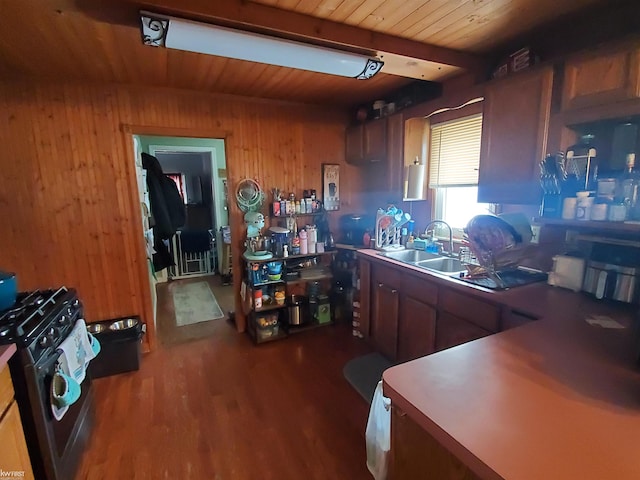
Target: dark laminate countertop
(554,399)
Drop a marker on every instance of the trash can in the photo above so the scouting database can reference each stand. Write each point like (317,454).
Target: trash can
(120,339)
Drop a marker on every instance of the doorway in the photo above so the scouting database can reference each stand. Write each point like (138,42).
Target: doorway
(191,296)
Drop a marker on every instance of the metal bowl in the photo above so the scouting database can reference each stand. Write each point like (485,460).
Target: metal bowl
(94,328)
(123,324)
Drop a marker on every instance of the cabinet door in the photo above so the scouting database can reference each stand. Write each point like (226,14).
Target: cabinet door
(452,331)
(375,140)
(415,454)
(416,329)
(395,155)
(600,78)
(14,455)
(384,319)
(514,138)
(354,145)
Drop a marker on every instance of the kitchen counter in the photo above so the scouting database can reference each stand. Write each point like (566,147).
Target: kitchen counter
(6,352)
(556,398)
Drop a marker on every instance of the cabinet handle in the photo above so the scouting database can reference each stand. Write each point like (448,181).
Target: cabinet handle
(380,285)
(394,291)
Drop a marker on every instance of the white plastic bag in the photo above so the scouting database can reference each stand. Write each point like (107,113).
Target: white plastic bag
(378,434)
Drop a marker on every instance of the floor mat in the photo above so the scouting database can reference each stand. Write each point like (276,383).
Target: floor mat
(195,303)
(364,373)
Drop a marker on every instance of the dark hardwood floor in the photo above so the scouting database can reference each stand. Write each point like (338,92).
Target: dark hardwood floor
(222,408)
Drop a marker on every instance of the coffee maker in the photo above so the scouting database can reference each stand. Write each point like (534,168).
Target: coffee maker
(353,227)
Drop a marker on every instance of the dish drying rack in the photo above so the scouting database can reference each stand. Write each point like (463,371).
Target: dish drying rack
(504,260)
(389,230)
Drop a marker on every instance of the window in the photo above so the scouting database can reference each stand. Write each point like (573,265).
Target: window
(454,158)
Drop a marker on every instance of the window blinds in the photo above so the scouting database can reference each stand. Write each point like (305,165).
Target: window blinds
(455,152)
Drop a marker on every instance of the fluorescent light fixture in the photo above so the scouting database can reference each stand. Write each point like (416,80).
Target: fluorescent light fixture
(170,32)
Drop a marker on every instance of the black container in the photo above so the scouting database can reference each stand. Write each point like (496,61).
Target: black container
(120,348)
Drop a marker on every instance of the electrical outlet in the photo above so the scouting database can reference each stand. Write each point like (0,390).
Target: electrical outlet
(535,234)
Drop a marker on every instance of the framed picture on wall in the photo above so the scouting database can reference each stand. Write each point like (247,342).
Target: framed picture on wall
(331,186)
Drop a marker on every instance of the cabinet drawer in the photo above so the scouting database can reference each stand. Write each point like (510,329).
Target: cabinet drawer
(420,289)
(476,311)
(6,389)
(390,277)
(452,331)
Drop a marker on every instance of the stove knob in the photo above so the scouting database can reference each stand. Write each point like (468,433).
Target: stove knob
(69,311)
(44,341)
(62,319)
(76,303)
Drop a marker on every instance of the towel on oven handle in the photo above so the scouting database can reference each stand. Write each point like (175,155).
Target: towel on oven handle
(78,350)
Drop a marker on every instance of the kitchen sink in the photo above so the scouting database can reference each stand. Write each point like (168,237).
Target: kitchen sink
(442,264)
(411,256)
(427,260)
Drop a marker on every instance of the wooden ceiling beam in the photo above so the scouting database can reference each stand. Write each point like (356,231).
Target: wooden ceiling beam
(263,17)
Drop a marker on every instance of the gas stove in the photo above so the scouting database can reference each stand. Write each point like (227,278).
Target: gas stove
(38,323)
(40,320)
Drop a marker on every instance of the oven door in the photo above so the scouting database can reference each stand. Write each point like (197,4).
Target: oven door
(55,446)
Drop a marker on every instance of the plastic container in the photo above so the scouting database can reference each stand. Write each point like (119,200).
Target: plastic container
(8,290)
(267,326)
(303,242)
(120,339)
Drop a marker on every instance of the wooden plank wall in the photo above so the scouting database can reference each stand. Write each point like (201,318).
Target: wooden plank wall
(67,189)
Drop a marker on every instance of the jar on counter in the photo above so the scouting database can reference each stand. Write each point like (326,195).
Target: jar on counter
(569,206)
(584,205)
(617,211)
(599,211)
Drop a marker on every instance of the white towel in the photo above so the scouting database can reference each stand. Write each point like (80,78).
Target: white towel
(77,352)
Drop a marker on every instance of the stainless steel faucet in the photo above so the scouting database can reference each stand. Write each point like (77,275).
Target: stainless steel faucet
(426,230)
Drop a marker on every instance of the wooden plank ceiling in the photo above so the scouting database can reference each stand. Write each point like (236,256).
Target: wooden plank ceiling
(97,41)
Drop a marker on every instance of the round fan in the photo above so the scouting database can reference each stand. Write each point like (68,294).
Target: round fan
(249,195)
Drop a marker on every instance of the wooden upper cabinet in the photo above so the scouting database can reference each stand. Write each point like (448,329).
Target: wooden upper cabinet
(514,137)
(353,144)
(367,142)
(600,78)
(375,140)
(395,154)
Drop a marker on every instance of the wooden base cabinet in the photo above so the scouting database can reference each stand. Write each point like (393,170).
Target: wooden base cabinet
(454,331)
(385,307)
(403,315)
(14,456)
(417,320)
(417,455)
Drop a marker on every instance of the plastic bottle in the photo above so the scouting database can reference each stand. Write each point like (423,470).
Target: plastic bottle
(257,298)
(285,251)
(303,242)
